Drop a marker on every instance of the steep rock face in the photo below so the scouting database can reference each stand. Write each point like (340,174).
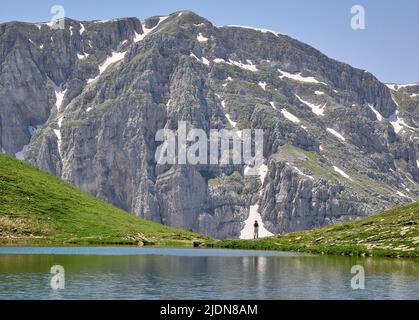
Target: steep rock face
(338,143)
(291,203)
(36,61)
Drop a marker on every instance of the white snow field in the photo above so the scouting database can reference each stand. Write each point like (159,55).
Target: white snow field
(254,215)
(299,77)
(290,116)
(115,57)
(316,109)
(336,134)
(341,172)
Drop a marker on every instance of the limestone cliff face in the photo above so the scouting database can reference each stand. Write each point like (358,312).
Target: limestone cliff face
(85,103)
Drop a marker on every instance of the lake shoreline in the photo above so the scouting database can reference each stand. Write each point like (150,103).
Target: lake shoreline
(263,245)
(392,234)
(331,250)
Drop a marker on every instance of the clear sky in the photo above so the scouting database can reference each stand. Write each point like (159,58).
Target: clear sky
(388,47)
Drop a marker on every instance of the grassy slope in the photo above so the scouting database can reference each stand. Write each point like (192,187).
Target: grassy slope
(394,233)
(38,208)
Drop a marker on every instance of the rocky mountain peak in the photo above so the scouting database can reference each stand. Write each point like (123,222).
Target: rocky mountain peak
(85,103)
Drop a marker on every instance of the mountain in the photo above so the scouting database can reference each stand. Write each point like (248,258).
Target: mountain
(38,208)
(393,234)
(85,104)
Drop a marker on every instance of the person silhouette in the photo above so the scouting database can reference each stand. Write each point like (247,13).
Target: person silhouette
(256,230)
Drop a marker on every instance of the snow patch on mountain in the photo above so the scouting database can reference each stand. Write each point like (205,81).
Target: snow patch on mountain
(146,31)
(316,109)
(401,194)
(59,97)
(48,24)
(336,134)
(263,171)
(254,215)
(262,85)
(201,38)
(377,114)
(341,172)
(299,77)
(219,60)
(290,116)
(58,135)
(233,124)
(60,121)
(115,57)
(255,29)
(303,174)
(397,87)
(273,105)
(102,21)
(227,80)
(398,123)
(202,60)
(246,66)
(248,230)
(82,56)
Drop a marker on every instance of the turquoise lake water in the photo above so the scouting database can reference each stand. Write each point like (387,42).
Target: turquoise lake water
(156,273)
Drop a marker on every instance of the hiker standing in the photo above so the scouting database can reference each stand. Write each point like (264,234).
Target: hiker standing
(256,230)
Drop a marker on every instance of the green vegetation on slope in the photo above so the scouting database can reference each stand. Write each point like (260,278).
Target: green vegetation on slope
(37,208)
(394,233)
(309,160)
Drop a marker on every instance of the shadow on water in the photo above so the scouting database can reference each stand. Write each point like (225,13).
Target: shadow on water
(201,276)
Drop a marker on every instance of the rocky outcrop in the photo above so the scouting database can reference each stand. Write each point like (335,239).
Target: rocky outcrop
(292,203)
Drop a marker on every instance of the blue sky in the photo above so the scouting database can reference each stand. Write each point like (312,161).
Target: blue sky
(388,47)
